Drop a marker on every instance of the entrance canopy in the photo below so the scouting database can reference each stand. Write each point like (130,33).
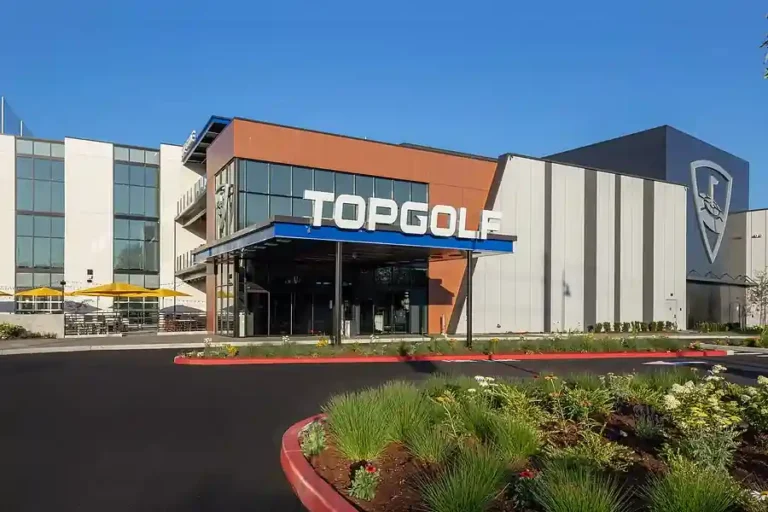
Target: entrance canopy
(380,245)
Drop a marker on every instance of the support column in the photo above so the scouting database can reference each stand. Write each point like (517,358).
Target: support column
(469,298)
(337,307)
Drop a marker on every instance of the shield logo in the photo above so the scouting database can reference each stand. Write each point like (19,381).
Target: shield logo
(712,187)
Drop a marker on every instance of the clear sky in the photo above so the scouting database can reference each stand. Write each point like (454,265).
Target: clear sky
(483,77)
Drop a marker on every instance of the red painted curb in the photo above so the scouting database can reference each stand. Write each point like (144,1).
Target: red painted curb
(194,361)
(314,493)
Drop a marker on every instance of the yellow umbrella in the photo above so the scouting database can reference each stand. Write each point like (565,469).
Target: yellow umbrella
(112,290)
(40,292)
(5,294)
(160,292)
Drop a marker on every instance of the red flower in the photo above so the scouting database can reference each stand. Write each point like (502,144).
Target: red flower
(535,376)
(528,473)
(370,468)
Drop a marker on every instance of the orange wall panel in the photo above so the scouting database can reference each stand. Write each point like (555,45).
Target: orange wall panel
(455,180)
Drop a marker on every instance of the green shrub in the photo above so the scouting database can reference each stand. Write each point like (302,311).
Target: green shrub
(690,488)
(564,487)
(582,404)
(470,482)
(616,326)
(701,408)
(11,331)
(588,381)
(359,424)
(648,424)
(406,406)
(754,400)
(516,400)
(625,327)
(312,439)
(712,450)
(606,326)
(598,328)
(595,451)
(430,443)
(663,380)
(515,441)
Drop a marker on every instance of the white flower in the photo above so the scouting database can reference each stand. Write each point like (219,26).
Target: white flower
(751,391)
(670,402)
(762,379)
(718,368)
(759,495)
(471,390)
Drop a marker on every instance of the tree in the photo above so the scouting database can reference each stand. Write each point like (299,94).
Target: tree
(765,45)
(757,297)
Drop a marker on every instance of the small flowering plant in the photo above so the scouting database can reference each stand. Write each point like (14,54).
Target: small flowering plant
(364,482)
(754,400)
(702,408)
(522,489)
(321,343)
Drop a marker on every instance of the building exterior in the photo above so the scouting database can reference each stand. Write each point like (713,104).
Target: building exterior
(275,230)
(77,213)
(718,186)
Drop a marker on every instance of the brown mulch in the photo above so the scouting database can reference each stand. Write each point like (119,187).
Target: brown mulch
(397,490)
(402,475)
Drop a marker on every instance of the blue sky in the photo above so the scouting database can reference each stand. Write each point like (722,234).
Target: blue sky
(483,77)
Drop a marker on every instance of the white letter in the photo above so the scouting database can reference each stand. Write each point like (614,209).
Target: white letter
(374,217)
(317,198)
(463,231)
(450,211)
(420,228)
(338,210)
(490,222)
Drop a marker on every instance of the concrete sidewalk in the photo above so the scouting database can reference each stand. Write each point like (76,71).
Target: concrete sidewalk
(196,340)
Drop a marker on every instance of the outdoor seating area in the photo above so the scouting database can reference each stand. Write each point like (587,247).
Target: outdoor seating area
(122,318)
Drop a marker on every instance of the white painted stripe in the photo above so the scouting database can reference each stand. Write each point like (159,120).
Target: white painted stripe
(674,363)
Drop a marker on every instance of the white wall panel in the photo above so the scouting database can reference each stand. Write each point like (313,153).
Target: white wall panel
(567,248)
(680,202)
(631,259)
(175,180)
(509,289)
(7,219)
(88,214)
(605,236)
(668,244)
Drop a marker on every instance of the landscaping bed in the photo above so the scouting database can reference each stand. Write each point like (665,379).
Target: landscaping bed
(668,441)
(445,347)
(10,331)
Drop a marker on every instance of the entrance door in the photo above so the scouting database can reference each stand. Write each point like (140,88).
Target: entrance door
(254,318)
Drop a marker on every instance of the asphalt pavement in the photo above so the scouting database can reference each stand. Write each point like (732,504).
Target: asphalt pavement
(130,431)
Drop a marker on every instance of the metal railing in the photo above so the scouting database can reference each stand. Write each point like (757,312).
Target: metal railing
(191,196)
(184,261)
(99,323)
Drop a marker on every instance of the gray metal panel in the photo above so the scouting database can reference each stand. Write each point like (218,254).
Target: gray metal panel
(617,253)
(547,247)
(590,247)
(639,154)
(648,249)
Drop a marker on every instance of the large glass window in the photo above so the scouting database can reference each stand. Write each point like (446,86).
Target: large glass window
(39,184)
(136,245)
(267,189)
(136,232)
(39,221)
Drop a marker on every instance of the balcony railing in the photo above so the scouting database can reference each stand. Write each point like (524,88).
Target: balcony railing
(191,197)
(184,261)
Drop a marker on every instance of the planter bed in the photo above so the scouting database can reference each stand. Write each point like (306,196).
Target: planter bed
(646,442)
(444,349)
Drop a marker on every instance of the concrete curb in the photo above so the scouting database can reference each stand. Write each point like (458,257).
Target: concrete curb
(314,493)
(235,361)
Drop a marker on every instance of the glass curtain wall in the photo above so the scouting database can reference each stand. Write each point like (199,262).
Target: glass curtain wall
(39,222)
(136,230)
(291,298)
(267,189)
